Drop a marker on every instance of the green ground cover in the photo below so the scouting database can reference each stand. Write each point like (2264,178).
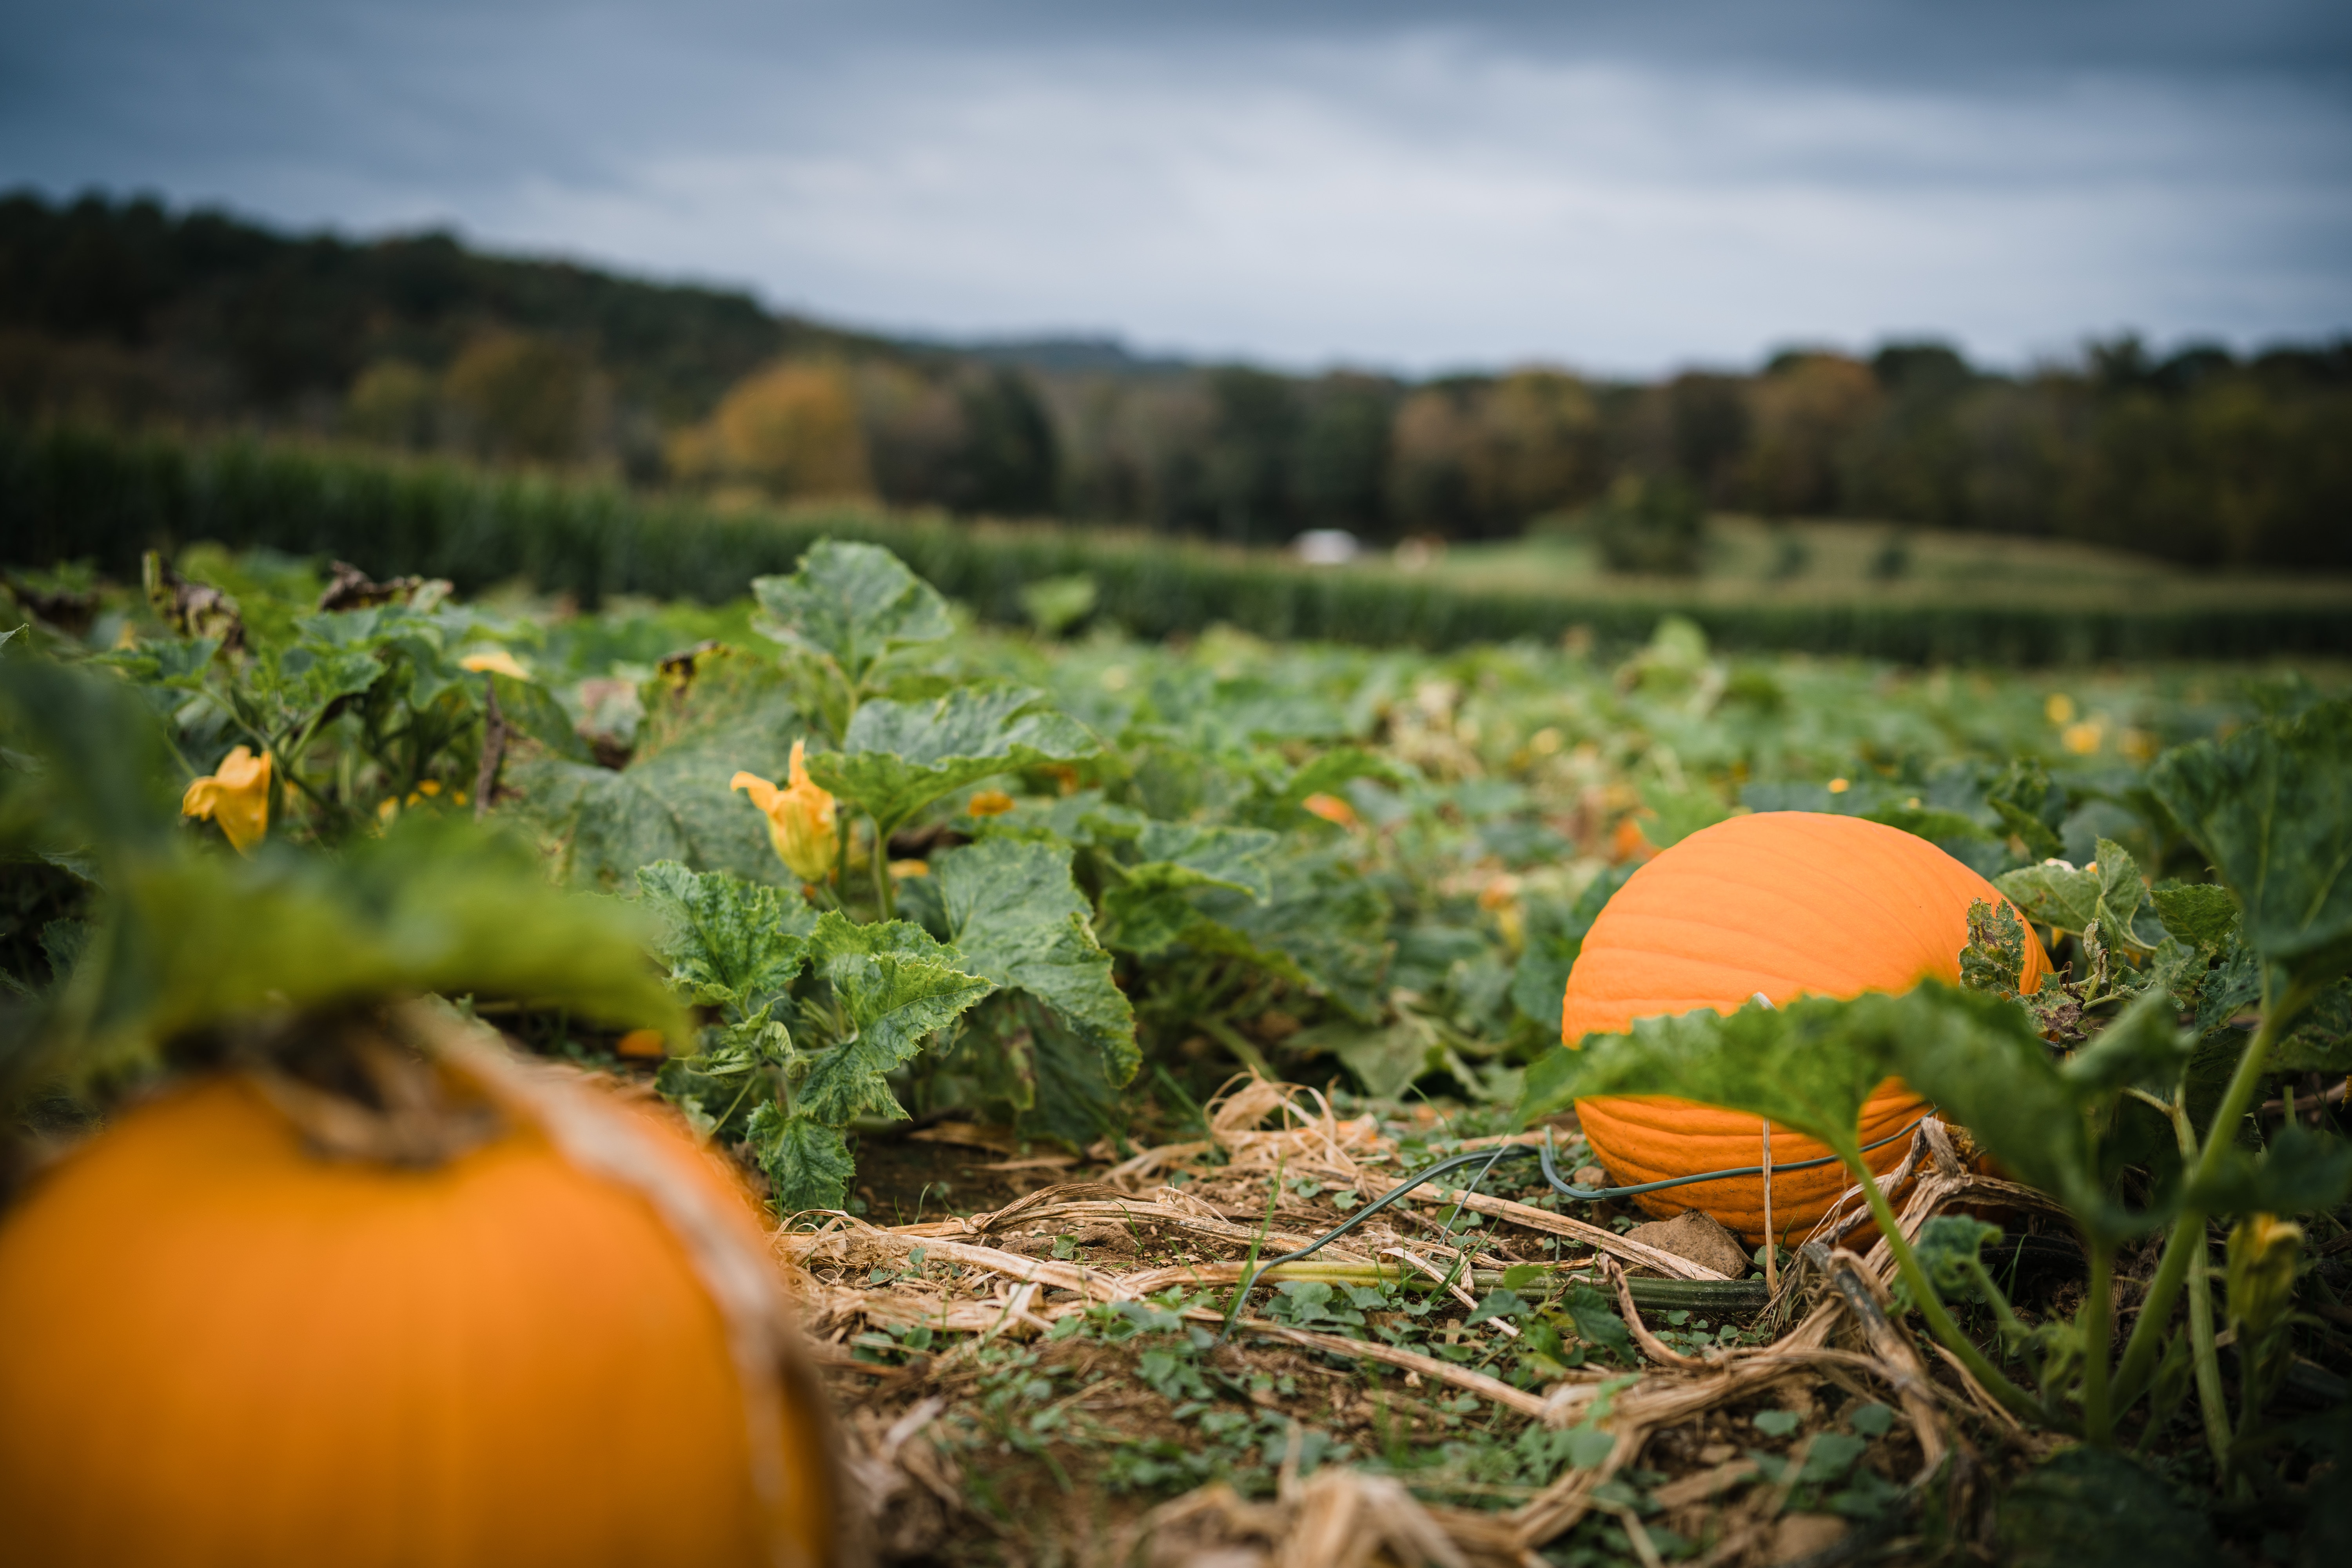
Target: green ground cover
(1073,882)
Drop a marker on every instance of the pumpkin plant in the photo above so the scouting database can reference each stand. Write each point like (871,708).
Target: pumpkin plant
(2272,810)
(346,1279)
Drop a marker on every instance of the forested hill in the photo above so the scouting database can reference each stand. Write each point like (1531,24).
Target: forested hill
(124,313)
(264,320)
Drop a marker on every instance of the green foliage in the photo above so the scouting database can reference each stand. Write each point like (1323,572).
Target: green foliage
(1809,1065)
(2271,806)
(729,943)
(2086,1507)
(671,800)
(179,937)
(898,757)
(1554,938)
(2110,895)
(2199,913)
(1011,909)
(891,985)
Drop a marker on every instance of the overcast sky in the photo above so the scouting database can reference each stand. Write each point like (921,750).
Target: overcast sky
(1622,188)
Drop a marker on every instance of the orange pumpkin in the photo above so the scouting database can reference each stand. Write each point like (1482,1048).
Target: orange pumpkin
(218,1346)
(1787,903)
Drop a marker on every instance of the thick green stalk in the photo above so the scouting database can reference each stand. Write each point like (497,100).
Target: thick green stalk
(2209,1402)
(2098,1344)
(2189,1230)
(1931,1306)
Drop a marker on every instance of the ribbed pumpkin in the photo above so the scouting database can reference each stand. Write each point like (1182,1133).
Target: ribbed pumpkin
(218,1346)
(1787,903)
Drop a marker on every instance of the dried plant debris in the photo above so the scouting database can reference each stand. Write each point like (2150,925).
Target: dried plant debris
(1054,1380)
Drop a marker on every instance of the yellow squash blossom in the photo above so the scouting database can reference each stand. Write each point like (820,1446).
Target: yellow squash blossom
(236,797)
(497,661)
(989,802)
(2261,1272)
(800,819)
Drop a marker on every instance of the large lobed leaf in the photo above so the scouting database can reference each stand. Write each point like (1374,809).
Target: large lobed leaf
(807,1163)
(895,986)
(898,757)
(672,802)
(2271,808)
(2110,893)
(1811,1064)
(853,604)
(729,943)
(1151,907)
(1014,913)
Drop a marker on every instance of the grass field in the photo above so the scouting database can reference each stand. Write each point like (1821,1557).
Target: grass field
(1749,561)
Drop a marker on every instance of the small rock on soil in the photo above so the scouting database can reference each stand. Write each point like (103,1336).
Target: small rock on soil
(1699,1237)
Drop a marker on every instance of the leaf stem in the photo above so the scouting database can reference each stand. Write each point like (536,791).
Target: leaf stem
(2188,1228)
(1931,1306)
(2211,1405)
(2098,1346)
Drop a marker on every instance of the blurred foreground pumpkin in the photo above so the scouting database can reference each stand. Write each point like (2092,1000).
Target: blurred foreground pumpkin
(1784,903)
(463,1312)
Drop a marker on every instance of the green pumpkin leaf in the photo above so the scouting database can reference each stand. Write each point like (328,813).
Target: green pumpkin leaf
(2299,1172)
(1554,938)
(532,709)
(806,1163)
(2270,808)
(2030,807)
(1676,814)
(1983,1063)
(1809,1066)
(895,986)
(672,802)
(727,943)
(1322,925)
(853,604)
(190,938)
(1932,823)
(1012,912)
(2095,1507)
(1385,1061)
(2144,1046)
(898,757)
(2071,900)
(1075,1099)
(2200,914)
(2322,1040)
(1151,906)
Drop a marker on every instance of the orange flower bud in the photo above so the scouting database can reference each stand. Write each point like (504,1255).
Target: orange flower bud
(1331,808)
(989,802)
(236,797)
(642,1043)
(801,819)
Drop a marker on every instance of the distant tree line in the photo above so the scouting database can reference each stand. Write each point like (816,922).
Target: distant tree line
(125,313)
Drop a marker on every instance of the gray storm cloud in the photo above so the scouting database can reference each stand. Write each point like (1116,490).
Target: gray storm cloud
(1302,183)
